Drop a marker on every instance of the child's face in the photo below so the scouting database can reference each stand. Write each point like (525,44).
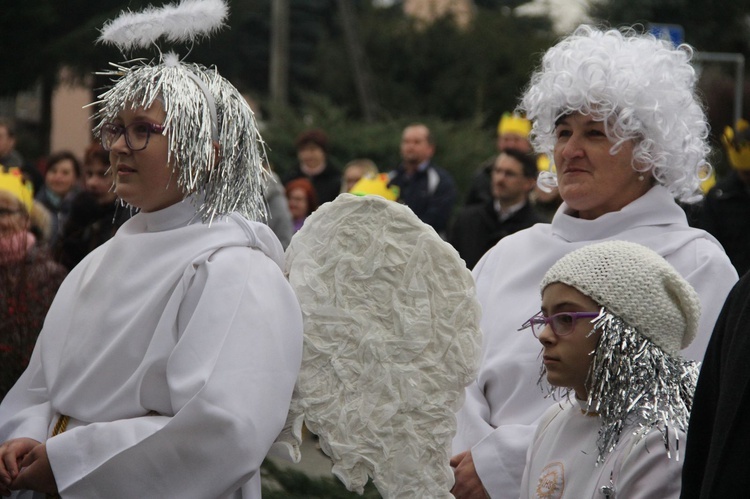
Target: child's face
(144,178)
(567,358)
(98,180)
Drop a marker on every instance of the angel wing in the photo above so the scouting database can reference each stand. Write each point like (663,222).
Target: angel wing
(391,339)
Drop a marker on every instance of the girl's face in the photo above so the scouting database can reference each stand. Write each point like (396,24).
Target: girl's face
(61,177)
(13,217)
(144,178)
(98,181)
(298,203)
(568,358)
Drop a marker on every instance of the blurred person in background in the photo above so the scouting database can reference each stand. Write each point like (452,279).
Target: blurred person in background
(426,188)
(512,133)
(478,228)
(279,218)
(302,199)
(315,165)
(28,277)
(95,214)
(61,185)
(726,209)
(355,170)
(11,158)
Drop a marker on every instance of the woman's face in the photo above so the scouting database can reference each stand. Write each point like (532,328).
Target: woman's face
(13,216)
(311,155)
(298,206)
(61,177)
(568,358)
(98,181)
(144,178)
(591,180)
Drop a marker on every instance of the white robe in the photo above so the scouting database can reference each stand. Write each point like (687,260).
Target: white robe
(499,415)
(172,316)
(561,461)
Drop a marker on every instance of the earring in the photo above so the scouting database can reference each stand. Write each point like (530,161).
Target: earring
(641,178)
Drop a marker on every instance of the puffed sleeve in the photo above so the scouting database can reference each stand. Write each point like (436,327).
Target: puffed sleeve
(230,378)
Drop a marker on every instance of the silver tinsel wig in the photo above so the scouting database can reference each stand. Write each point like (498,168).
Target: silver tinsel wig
(203,110)
(634,386)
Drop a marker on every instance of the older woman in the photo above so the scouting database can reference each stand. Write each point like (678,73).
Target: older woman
(315,165)
(619,114)
(28,279)
(168,358)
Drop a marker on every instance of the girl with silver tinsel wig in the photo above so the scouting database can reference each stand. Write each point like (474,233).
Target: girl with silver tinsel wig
(625,438)
(643,89)
(214,144)
(167,361)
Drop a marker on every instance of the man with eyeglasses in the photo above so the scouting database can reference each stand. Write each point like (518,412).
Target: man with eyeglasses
(478,228)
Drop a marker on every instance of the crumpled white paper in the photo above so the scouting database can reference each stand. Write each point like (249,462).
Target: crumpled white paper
(391,339)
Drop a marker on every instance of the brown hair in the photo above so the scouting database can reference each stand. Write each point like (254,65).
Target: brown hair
(95,152)
(315,136)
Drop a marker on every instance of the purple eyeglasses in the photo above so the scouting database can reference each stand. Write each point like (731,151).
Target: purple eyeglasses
(562,324)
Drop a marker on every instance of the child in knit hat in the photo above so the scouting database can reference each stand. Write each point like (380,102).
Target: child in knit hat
(614,317)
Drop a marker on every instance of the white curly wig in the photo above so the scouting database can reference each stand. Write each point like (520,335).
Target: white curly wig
(642,88)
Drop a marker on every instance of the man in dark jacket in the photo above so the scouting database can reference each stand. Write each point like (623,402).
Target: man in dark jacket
(478,228)
(424,187)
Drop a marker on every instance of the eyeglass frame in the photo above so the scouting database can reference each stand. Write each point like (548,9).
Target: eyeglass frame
(540,319)
(8,212)
(123,131)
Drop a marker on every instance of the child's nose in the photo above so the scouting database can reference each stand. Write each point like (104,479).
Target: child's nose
(547,336)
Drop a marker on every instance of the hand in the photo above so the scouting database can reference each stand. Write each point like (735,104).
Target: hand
(36,472)
(468,485)
(12,453)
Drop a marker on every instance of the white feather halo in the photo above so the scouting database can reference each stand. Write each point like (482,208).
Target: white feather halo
(183,22)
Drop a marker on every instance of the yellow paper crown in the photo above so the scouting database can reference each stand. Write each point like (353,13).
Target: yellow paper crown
(514,123)
(736,143)
(12,181)
(377,186)
(542,164)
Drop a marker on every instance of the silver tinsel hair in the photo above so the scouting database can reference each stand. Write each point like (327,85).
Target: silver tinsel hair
(635,386)
(202,109)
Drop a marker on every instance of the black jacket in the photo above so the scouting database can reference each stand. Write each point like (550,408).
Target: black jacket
(477,228)
(726,216)
(717,460)
(430,193)
(327,183)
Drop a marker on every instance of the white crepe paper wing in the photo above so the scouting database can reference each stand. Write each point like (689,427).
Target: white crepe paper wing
(184,22)
(391,340)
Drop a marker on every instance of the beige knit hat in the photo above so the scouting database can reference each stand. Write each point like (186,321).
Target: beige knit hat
(636,284)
